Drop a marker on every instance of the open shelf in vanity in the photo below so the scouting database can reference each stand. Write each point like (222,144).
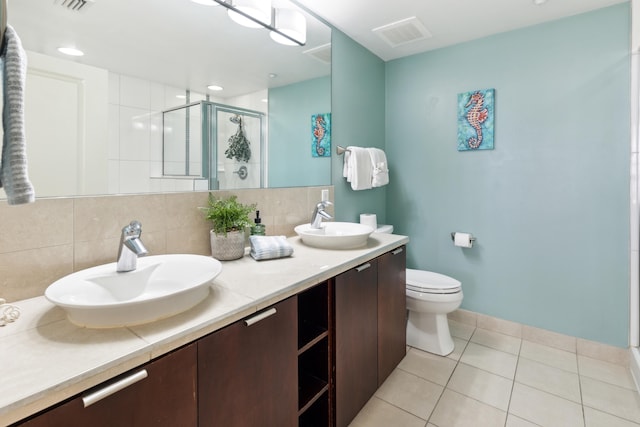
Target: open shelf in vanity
(314,355)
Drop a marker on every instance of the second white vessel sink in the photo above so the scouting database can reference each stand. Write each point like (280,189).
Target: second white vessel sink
(161,286)
(335,235)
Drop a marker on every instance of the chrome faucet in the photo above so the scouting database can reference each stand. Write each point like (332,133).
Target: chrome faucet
(319,213)
(131,247)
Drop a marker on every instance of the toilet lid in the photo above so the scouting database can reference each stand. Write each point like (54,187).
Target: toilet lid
(430,282)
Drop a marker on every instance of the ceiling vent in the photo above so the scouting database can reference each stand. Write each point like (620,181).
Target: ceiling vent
(402,32)
(76,5)
(321,53)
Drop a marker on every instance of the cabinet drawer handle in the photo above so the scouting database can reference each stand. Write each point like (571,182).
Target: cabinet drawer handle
(106,391)
(397,251)
(363,267)
(258,317)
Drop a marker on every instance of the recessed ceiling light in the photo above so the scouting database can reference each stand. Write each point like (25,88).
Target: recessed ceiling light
(215,88)
(272,75)
(72,51)
(539,2)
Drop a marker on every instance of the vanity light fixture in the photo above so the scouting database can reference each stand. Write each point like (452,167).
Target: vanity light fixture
(205,2)
(286,26)
(71,51)
(289,22)
(250,13)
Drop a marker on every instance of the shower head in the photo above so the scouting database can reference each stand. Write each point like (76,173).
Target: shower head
(236,119)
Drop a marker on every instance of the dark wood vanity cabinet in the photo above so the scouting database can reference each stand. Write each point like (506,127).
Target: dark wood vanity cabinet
(160,393)
(356,340)
(248,371)
(370,330)
(314,359)
(392,311)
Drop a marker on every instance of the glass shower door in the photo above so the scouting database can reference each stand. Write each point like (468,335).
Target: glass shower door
(235,150)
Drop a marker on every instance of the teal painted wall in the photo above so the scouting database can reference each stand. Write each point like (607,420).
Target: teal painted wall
(550,204)
(358,106)
(290,110)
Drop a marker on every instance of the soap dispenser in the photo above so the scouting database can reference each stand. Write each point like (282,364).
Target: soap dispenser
(258,228)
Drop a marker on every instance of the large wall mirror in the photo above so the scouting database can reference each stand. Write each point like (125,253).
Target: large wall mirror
(109,122)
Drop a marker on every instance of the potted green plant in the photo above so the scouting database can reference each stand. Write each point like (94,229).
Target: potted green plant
(229,219)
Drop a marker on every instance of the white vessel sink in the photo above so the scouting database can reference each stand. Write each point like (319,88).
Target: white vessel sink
(335,235)
(161,286)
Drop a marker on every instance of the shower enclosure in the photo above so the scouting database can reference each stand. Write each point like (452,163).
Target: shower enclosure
(221,145)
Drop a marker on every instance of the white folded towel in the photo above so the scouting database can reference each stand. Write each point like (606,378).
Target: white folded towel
(13,170)
(380,171)
(360,168)
(269,247)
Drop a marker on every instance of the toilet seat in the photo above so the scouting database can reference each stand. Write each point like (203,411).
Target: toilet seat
(428,282)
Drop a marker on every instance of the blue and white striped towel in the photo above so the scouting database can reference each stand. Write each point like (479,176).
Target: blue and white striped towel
(269,247)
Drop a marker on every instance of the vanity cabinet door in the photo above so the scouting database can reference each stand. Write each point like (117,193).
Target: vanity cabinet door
(161,393)
(356,340)
(392,311)
(248,371)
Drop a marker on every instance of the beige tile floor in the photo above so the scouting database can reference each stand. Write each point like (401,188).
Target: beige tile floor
(493,380)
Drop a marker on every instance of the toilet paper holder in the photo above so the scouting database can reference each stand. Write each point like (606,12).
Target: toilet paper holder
(453,237)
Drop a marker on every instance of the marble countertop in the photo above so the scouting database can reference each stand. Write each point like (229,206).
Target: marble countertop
(46,359)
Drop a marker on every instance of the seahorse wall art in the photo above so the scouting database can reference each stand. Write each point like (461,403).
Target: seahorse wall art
(321,135)
(475,120)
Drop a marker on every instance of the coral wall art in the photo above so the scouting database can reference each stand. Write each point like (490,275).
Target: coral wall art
(475,120)
(321,135)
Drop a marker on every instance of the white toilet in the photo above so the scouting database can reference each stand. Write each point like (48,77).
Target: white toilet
(430,297)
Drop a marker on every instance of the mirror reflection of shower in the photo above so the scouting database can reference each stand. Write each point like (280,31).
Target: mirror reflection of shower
(218,146)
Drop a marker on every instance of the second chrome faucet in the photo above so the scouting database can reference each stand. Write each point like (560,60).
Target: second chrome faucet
(131,247)
(319,213)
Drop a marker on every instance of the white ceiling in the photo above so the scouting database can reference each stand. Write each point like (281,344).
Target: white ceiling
(449,21)
(174,42)
(180,43)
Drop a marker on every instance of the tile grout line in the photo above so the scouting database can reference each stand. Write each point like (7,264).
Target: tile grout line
(449,379)
(584,416)
(513,382)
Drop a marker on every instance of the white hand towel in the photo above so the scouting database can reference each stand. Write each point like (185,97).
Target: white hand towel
(380,170)
(13,170)
(360,168)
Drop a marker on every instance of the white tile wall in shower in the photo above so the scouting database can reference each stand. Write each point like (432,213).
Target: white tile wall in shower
(114,176)
(174,97)
(134,133)
(197,97)
(114,88)
(155,137)
(135,92)
(156,97)
(134,177)
(113,132)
